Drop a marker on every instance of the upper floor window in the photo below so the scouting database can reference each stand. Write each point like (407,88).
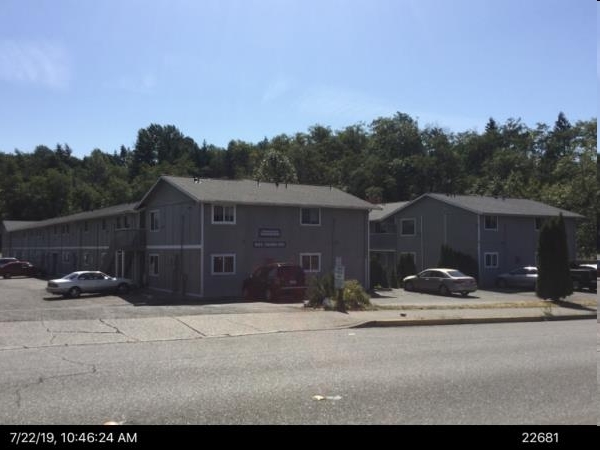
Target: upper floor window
(490,223)
(223,214)
(154,220)
(408,227)
(65,229)
(85,226)
(103,224)
(310,216)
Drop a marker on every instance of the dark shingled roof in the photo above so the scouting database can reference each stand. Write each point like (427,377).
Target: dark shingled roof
(502,206)
(260,193)
(86,215)
(387,209)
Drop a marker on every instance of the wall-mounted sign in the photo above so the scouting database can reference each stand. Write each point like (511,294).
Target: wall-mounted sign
(269,232)
(269,244)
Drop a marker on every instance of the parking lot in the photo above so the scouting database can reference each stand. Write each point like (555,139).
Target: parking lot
(24,299)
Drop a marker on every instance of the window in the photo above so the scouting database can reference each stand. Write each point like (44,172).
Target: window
(310,262)
(386,226)
(490,223)
(223,264)
(87,259)
(491,260)
(153,265)
(539,221)
(154,220)
(411,255)
(310,216)
(223,214)
(66,257)
(408,227)
(65,229)
(102,258)
(85,226)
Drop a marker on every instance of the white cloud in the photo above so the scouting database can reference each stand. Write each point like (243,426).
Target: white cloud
(347,104)
(34,62)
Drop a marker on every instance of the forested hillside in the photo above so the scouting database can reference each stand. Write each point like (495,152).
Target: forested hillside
(390,159)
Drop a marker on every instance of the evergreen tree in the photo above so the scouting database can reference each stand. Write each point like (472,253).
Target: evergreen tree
(554,278)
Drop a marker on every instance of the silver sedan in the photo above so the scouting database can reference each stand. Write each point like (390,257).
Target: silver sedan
(442,281)
(75,283)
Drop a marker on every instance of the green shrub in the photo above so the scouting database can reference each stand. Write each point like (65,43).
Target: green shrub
(354,296)
(450,258)
(378,275)
(318,289)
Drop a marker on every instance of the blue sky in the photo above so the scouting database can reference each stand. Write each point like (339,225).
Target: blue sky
(92,73)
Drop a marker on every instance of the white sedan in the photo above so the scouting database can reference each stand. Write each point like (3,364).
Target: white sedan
(75,283)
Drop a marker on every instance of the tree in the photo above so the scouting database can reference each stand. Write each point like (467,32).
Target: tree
(554,278)
(276,168)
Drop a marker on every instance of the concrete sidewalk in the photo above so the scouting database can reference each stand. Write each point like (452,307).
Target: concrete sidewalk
(34,334)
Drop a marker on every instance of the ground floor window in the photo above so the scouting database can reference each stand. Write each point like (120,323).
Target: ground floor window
(310,262)
(222,264)
(66,257)
(154,265)
(87,259)
(491,260)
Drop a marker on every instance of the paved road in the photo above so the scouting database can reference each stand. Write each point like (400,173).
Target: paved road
(532,373)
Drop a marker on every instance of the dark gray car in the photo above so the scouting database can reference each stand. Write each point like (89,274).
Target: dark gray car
(522,277)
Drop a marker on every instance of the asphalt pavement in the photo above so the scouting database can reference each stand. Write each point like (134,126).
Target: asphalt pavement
(145,317)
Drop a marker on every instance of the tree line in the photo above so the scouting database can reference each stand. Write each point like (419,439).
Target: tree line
(390,159)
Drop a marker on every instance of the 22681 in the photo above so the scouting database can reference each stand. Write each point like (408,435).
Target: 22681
(539,438)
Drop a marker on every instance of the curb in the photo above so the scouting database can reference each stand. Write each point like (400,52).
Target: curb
(426,322)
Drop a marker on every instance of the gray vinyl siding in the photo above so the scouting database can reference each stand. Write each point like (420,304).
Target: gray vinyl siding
(341,233)
(515,240)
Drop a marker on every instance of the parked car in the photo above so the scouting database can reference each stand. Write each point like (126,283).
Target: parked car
(442,281)
(523,277)
(584,276)
(7,260)
(275,281)
(19,269)
(75,283)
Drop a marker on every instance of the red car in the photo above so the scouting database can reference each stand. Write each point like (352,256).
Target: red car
(19,268)
(275,281)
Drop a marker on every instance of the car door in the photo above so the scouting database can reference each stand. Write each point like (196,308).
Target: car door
(422,280)
(435,279)
(85,283)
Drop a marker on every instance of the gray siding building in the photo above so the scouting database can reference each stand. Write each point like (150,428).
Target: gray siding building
(202,237)
(499,233)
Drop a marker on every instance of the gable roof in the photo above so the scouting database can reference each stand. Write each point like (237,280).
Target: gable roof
(259,193)
(387,209)
(501,206)
(479,204)
(14,225)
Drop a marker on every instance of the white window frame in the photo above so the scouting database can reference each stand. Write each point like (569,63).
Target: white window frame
(222,222)
(310,224)
(311,269)
(154,269)
(410,219)
(493,255)
(485,227)
(155,213)
(221,255)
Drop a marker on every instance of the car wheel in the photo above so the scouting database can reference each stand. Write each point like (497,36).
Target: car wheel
(74,292)
(409,286)
(464,293)
(123,288)
(444,290)
(502,283)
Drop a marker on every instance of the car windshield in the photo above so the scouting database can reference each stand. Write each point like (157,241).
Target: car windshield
(455,273)
(71,276)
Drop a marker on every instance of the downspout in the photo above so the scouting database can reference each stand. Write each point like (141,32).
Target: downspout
(422,254)
(368,255)
(479,248)
(201,249)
